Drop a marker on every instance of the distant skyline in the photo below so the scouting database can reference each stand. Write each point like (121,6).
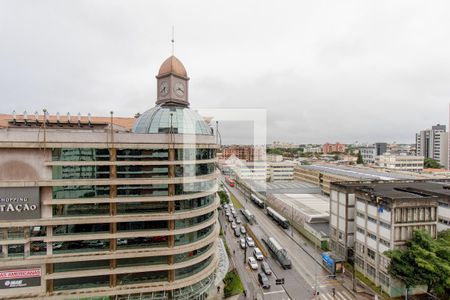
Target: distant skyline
(325,71)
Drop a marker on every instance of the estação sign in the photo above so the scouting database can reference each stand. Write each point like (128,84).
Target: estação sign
(19,203)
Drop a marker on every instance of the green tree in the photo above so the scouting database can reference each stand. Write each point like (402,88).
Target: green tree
(223,197)
(424,261)
(360,159)
(431,163)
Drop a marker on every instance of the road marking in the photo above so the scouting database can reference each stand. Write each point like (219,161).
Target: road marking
(274,292)
(341,296)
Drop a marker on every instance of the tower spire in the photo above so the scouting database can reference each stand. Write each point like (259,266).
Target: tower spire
(173,40)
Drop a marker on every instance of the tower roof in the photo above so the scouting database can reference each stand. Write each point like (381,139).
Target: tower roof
(172,65)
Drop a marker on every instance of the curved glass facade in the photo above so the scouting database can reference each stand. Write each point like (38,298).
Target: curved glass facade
(162,119)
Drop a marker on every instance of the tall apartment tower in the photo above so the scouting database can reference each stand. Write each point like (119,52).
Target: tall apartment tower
(433,143)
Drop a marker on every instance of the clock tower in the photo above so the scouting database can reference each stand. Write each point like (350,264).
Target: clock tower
(172,83)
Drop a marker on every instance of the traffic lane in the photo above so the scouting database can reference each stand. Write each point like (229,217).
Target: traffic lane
(306,260)
(276,291)
(248,281)
(270,228)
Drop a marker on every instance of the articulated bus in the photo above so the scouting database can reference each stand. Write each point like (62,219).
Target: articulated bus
(229,181)
(278,218)
(257,201)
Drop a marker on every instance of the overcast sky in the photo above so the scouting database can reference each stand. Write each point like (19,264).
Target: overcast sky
(324,70)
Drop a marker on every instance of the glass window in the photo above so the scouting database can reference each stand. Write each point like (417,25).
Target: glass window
(15,250)
(194,170)
(195,187)
(142,261)
(130,278)
(193,203)
(141,207)
(80,154)
(80,191)
(371,253)
(80,282)
(191,254)
(80,172)
(145,225)
(191,270)
(142,171)
(142,242)
(81,265)
(80,246)
(195,154)
(142,154)
(80,229)
(38,248)
(142,190)
(187,238)
(192,221)
(67,210)
(37,231)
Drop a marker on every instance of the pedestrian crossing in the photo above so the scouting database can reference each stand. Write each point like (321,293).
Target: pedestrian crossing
(340,295)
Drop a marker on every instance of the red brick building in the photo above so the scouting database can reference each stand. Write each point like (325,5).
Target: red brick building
(248,153)
(328,148)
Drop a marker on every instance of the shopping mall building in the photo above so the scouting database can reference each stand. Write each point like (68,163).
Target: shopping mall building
(110,208)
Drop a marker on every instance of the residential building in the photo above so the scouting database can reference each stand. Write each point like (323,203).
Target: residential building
(337,147)
(433,143)
(368,153)
(368,218)
(312,149)
(283,145)
(274,158)
(245,152)
(410,163)
(107,208)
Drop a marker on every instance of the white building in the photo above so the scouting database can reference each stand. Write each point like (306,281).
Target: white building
(369,153)
(396,162)
(433,143)
(280,171)
(368,219)
(312,149)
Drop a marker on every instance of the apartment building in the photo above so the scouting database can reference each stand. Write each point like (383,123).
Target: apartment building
(280,171)
(369,218)
(245,152)
(369,153)
(433,143)
(337,147)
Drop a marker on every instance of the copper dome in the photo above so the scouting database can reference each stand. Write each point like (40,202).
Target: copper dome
(172,65)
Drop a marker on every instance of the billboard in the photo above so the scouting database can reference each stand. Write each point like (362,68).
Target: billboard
(10,279)
(18,203)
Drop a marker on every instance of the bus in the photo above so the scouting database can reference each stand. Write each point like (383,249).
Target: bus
(256,200)
(278,218)
(229,181)
(279,253)
(248,215)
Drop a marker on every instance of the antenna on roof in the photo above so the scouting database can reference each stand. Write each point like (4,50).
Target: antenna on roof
(36,117)
(79,119)
(89,119)
(173,40)
(14,116)
(68,117)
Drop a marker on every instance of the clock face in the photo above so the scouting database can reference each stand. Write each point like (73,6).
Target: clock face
(164,88)
(179,89)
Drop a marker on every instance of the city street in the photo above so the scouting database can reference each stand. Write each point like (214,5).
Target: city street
(306,273)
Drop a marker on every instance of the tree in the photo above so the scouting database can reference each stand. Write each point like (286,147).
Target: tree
(223,197)
(360,160)
(431,163)
(424,261)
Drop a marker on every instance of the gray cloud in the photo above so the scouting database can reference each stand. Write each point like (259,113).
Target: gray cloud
(325,71)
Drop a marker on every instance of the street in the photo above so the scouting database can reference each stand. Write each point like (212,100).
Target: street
(306,273)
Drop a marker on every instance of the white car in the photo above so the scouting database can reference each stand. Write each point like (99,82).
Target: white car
(238,221)
(250,242)
(242,243)
(258,254)
(243,231)
(233,225)
(252,263)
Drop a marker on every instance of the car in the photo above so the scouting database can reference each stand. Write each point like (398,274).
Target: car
(122,242)
(225,206)
(233,212)
(57,245)
(250,242)
(96,243)
(263,280)
(227,213)
(243,231)
(237,233)
(230,219)
(242,243)
(252,263)
(238,221)
(233,225)
(231,205)
(266,268)
(258,254)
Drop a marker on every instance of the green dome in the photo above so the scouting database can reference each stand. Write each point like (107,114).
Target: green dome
(184,121)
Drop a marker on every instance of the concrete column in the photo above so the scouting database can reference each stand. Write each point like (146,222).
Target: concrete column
(49,282)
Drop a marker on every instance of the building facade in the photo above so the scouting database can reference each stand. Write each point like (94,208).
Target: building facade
(337,147)
(89,210)
(243,152)
(369,153)
(369,218)
(433,143)
(409,163)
